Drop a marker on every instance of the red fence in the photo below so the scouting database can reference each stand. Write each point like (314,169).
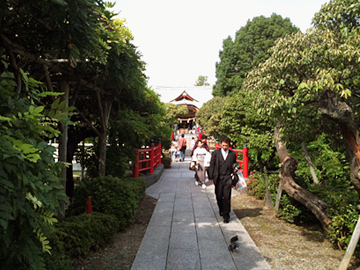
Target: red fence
(244,163)
(147,159)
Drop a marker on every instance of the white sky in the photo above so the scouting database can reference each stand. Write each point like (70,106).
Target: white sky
(179,41)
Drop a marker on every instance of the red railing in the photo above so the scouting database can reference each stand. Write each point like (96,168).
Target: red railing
(244,163)
(147,159)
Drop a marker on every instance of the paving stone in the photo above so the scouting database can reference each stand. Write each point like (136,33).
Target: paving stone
(183,216)
(180,259)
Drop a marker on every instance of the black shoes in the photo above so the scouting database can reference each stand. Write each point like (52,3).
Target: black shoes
(226,219)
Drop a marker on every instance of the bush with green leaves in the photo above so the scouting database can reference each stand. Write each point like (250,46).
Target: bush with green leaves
(288,209)
(59,258)
(109,195)
(342,210)
(257,184)
(342,227)
(138,185)
(85,232)
(30,187)
(167,162)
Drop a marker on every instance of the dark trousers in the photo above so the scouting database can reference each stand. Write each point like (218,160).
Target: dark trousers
(223,195)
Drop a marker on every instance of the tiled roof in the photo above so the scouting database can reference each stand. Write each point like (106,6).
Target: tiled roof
(200,94)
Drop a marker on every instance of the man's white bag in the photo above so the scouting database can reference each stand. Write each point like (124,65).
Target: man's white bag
(241,183)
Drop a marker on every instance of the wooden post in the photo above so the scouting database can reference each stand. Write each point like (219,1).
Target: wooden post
(136,165)
(268,200)
(245,162)
(308,159)
(351,248)
(82,157)
(159,161)
(155,157)
(152,157)
(278,196)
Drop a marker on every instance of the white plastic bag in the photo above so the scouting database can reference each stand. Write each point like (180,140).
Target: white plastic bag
(241,183)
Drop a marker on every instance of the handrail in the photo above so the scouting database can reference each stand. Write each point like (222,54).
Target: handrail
(244,163)
(147,159)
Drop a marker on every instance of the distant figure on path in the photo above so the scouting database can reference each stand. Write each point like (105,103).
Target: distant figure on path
(182,147)
(220,172)
(193,142)
(173,150)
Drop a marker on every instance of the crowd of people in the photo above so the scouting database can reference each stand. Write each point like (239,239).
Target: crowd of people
(218,165)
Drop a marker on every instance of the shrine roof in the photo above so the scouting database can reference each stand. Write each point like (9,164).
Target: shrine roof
(182,96)
(194,95)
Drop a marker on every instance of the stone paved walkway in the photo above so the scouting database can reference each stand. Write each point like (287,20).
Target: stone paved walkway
(187,232)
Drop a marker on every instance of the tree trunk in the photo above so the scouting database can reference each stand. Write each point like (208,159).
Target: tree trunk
(288,168)
(308,159)
(65,88)
(63,138)
(332,107)
(105,109)
(102,152)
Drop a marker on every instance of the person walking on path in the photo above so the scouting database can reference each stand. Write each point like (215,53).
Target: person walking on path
(204,145)
(193,142)
(220,172)
(201,156)
(182,147)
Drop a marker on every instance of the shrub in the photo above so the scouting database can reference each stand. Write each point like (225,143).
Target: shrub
(59,259)
(138,185)
(257,184)
(80,234)
(342,226)
(167,162)
(288,210)
(109,195)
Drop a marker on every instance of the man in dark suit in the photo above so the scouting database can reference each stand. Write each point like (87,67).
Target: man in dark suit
(221,168)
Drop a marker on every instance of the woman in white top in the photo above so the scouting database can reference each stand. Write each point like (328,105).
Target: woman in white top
(201,156)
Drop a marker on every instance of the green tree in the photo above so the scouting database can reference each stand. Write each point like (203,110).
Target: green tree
(173,111)
(208,116)
(202,81)
(242,124)
(309,79)
(249,49)
(90,58)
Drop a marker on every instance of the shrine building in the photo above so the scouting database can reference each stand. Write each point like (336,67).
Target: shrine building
(192,97)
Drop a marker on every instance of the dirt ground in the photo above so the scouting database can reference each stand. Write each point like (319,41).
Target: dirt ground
(284,246)
(120,254)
